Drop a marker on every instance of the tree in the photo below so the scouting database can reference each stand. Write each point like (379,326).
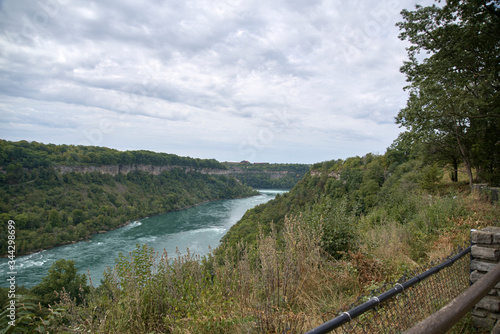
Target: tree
(454,90)
(431,148)
(61,275)
(54,218)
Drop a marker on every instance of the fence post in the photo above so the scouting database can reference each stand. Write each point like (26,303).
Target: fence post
(485,255)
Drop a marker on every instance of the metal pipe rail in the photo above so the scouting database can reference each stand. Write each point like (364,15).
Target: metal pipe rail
(445,318)
(375,301)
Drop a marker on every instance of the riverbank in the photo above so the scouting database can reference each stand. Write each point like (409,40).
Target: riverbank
(195,228)
(89,237)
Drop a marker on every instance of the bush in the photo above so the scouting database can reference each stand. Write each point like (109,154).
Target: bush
(62,276)
(338,222)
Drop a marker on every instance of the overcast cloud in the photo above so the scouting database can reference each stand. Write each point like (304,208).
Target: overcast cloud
(277,81)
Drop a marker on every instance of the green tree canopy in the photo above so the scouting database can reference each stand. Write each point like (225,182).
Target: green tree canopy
(454,80)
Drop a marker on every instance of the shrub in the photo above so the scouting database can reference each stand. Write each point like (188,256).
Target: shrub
(338,223)
(62,275)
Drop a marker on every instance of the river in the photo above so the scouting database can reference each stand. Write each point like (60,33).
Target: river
(195,228)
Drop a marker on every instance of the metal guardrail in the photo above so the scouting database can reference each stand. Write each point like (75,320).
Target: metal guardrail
(445,318)
(346,322)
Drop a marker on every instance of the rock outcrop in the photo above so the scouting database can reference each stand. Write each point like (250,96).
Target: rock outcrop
(156,170)
(125,169)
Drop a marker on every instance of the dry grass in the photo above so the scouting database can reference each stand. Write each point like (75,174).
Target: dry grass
(389,243)
(285,283)
(479,213)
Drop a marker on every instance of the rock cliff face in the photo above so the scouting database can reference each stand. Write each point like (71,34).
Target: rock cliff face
(331,174)
(156,170)
(125,169)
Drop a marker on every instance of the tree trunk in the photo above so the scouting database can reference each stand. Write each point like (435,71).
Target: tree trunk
(465,156)
(454,175)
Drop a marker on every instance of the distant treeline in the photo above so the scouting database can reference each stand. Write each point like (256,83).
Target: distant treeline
(267,175)
(51,208)
(34,155)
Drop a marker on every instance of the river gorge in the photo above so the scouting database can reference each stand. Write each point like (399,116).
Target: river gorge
(197,229)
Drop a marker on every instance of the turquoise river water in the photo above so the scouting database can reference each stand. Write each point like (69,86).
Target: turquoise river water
(195,228)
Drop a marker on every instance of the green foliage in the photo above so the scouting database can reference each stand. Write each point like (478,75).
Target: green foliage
(431,177)
(52,208)
(134,270)
(268,176)
(374,190)
(62,275)
(26,318)
(146,293)
(338,224)
(355,182)
(452,111)
(33,155)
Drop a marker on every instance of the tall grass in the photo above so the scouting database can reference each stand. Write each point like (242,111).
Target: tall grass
(285,283)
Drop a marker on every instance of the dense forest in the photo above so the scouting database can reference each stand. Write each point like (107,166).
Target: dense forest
(268,175)
(52,208)
(348,226)
(24,154)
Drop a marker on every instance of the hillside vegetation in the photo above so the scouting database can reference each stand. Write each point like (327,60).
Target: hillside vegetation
(52,208)
(349,198)
(267,175)
(30,155)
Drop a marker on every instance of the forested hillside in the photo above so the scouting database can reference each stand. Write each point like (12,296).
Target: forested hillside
(23,154)
(373,190)
(52,208)
(267,175)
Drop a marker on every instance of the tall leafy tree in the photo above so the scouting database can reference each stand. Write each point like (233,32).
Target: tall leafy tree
(453,72)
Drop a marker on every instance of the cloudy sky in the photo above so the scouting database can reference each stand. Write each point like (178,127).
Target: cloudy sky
(278,81)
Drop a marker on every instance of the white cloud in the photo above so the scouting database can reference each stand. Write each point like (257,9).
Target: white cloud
(300,81)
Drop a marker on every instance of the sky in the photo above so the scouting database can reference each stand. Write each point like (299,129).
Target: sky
(299,81)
